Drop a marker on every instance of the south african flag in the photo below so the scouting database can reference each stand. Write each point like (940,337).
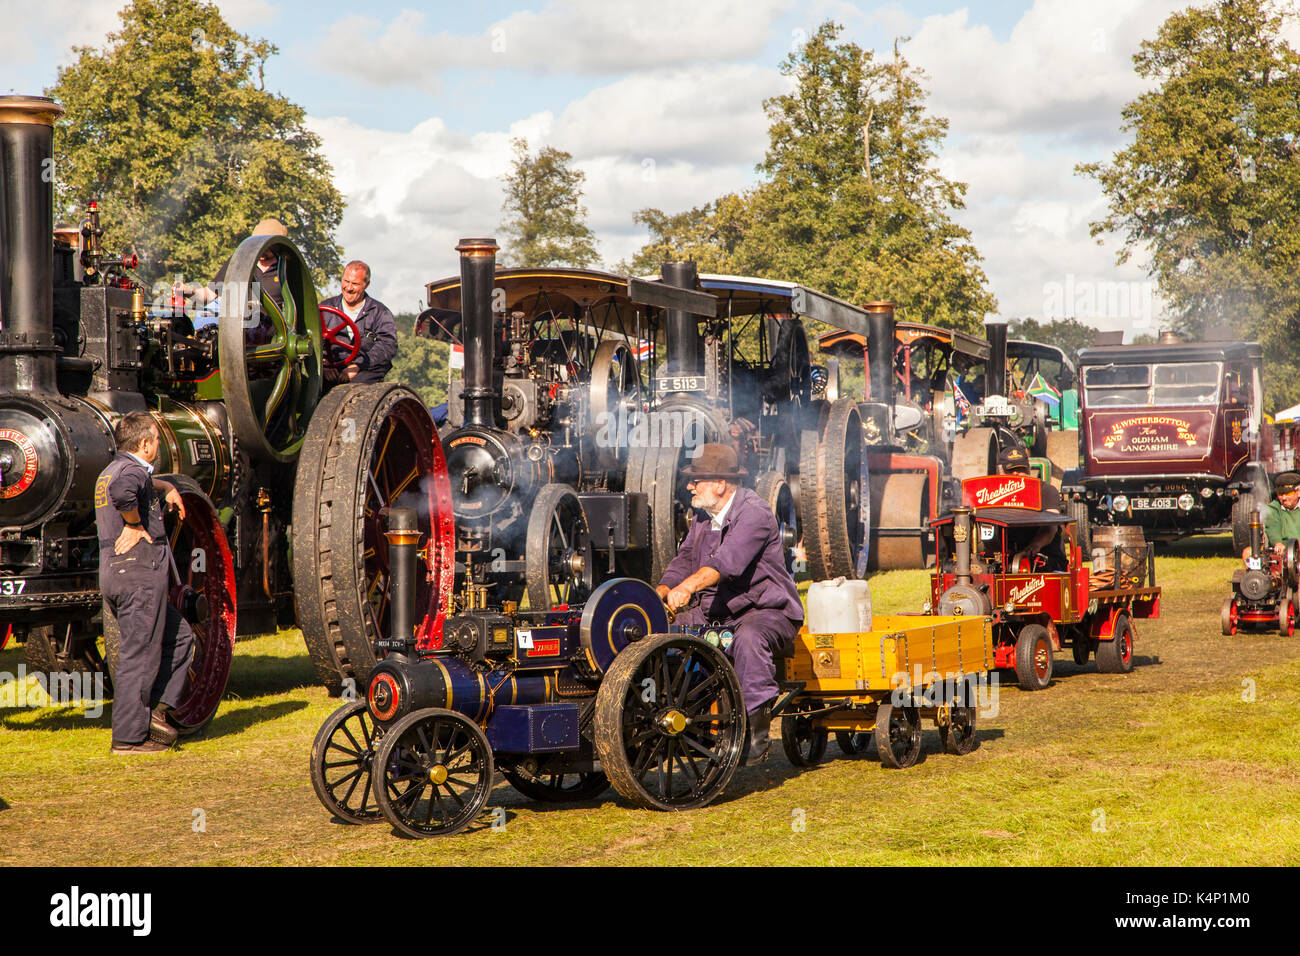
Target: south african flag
(1040,388)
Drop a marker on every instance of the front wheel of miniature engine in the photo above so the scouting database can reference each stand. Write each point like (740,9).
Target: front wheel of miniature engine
(342,756)
(1034,658)
(1228,617)
(433,773)
(898,736)
(1116,655)
(1286,615)
(804,744)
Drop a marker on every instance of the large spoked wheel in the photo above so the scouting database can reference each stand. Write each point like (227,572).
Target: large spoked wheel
(433,773)
(332,337)
(654,471)
(559,787)
(1116,655)
(342,756)
(958,732)
(898,736)
(559,566)
(270,357)
(833,492)
(1034,657)
(775,490)
(669,724)
(615,402)
(804,744)
(369,447)
(205,596)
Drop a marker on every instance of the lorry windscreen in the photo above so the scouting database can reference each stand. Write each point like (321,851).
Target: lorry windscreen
(1164,383)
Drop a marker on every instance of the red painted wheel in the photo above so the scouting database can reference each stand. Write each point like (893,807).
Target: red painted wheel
(1116,655)
(1228,617)
(1034,657)
(1286,615)
(331,333)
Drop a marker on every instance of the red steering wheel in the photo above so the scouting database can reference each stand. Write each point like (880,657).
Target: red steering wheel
(331,333)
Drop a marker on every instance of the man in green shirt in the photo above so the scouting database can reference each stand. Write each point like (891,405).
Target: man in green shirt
(1282,516)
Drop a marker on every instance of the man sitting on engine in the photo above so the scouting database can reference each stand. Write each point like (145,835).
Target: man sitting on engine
(732,559)
(1046,541)
(1282,515)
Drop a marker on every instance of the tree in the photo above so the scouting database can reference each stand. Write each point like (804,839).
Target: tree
(1068,335)
(421,363)
(169,127)
(850,201)
(1209,188)
(545,220)
(707,235)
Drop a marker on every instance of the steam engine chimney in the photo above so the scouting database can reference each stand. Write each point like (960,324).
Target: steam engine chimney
(27,350)
(880,350)
(681,329)
(478,266)
(995,373)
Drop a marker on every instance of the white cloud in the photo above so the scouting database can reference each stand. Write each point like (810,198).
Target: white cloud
(565,36)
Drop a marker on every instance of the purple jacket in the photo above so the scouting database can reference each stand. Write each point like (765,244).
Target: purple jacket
(747,554)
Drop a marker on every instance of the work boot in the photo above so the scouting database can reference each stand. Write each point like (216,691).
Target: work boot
(160,728)
(759,743)
(149,746)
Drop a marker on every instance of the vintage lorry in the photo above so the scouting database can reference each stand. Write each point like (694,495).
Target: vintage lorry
(1172,440)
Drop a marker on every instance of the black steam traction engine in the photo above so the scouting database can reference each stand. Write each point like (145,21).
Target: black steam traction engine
(79,349)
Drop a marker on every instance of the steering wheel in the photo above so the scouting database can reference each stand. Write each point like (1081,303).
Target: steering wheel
(330,333)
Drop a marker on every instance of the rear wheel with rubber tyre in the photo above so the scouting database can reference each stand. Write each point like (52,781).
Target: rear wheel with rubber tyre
(1116,655)
(1242,509)
(1228,617)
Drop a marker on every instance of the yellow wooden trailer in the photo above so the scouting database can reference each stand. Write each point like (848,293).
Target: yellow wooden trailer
(881,683)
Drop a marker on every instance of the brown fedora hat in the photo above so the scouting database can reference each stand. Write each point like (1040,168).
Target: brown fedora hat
(715,461)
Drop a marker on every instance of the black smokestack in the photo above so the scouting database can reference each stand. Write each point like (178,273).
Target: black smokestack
(995,373)
(27,352)
(478,267)
(681,329)
(880,350)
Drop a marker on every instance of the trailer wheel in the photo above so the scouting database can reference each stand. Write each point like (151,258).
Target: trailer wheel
(1034,657)
(1286,615)
(342,756)
(958,733)
(433,773)
(1228,617)
(1116,655)
(571,787)
(851,742)
(669,725)
(898,736)
(804,745)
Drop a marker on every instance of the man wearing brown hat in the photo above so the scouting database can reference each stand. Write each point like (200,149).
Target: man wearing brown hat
(1013,460)
(1282,515)
(733,560)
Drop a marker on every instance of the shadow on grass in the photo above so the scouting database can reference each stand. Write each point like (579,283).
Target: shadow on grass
(237,721)
(61,718)
(1197,546)
(3,805)
(260,675)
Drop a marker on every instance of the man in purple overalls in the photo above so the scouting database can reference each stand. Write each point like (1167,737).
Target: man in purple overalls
(733,560)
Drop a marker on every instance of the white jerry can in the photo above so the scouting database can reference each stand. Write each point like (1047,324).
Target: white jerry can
(839,606)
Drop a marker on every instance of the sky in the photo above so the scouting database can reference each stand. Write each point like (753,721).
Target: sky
(660,105)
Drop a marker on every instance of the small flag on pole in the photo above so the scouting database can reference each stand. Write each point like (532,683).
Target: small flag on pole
(1041,388)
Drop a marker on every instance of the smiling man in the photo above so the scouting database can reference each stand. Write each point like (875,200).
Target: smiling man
(732,559)
(374,322)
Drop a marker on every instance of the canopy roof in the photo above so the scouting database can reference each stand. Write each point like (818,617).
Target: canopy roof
(1010,517)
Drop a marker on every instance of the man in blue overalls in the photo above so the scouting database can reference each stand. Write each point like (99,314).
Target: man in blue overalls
(733,559)
(134,572)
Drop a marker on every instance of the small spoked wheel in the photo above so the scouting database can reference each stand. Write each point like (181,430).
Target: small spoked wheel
(572,787)
(341,759)
(898,735)
(669,725)
(433,773)
(852,742)
(804,744)
(1228,617)
(958,732)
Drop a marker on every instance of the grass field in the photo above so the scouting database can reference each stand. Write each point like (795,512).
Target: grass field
(1193,759)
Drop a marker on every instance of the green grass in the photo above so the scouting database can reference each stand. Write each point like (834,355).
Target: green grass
(1167,765)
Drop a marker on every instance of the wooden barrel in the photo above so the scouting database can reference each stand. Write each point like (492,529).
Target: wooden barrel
(1123,549)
